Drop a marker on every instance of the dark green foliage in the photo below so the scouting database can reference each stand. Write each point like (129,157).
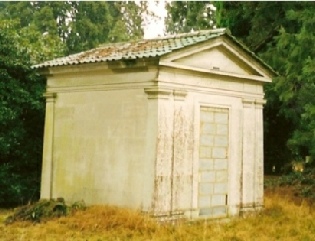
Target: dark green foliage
(303,182)
(51,29)
(91,24)
(33,28)
(21,123)
(184,16)
(282,34)
(291,100)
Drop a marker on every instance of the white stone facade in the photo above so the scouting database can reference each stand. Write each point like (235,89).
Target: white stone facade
(179,136)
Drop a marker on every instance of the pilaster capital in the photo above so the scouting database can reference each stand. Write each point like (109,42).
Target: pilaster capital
(257,103)
(179,94)
(50,96)
(248,103)
(260,103)
(158,93)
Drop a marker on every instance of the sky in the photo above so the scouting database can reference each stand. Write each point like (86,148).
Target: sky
(156,28)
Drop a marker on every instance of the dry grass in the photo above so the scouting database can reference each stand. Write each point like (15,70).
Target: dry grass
(284,218)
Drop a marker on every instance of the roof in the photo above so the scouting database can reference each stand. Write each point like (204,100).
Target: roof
(145,48)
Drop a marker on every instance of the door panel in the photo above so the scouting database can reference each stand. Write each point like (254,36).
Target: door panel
(213,162)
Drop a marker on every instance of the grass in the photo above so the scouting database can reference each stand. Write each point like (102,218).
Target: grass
(285,217)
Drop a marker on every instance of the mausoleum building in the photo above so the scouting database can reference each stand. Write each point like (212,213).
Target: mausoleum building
(171,126)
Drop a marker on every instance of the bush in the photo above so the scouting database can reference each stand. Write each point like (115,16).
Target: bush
(17,189)
(44,209)
(304,182)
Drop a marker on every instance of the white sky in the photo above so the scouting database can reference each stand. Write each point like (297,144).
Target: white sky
(156,28)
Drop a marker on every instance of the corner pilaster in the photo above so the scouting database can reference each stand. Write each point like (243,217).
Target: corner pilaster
(248,162)
(47,166)
(259,154)
(252,166)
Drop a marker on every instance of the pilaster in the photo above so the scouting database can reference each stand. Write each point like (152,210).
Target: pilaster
(161,113)
(259,160)
(47,166)
(248,160)
(252,165)
(181,170)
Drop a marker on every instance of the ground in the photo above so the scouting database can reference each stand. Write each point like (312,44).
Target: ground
(285,217)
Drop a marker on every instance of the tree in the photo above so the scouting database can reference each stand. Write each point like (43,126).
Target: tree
(90,24)
(258,25)
(34,29)
(54,29)
(184,16)
(294,59)
(21,123)
(281,34)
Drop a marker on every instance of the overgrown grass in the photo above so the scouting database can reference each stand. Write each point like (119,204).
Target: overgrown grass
(285,217)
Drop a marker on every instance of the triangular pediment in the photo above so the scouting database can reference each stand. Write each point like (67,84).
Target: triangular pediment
(217,56)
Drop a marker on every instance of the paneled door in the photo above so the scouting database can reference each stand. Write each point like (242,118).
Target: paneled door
(213,162)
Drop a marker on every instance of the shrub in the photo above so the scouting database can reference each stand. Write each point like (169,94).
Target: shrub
(44,209)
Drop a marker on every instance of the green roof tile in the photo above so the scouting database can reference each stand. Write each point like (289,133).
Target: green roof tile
(144,48)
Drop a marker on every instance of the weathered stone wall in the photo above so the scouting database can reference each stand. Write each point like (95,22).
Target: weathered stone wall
(183,184)
(138,136)
(100,139)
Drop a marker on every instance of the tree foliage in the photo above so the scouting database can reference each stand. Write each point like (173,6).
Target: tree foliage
(90,25)
(21,123)
(282,34)
(52,29)
(185,16)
